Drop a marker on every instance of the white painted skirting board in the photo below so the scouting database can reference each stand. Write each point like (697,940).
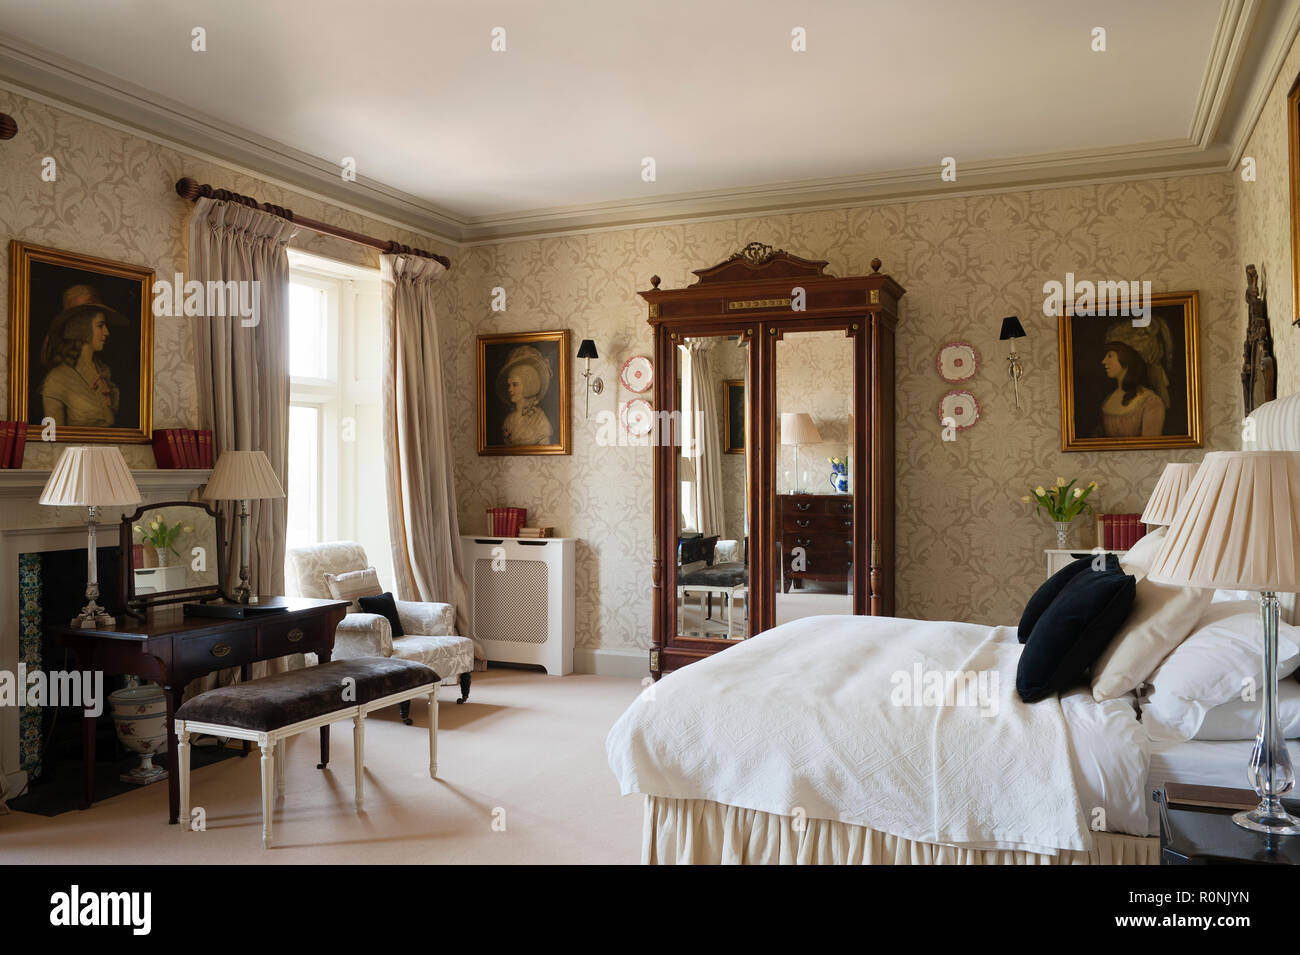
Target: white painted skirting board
(608,661)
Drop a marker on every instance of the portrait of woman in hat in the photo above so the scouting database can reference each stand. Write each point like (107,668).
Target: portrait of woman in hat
(81,341)
(1132,383)
(78,387)
(523,383)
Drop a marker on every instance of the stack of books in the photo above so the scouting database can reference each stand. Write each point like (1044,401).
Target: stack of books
(506,521)
(1119,531)
(13,441)
(182,448)
(537,532)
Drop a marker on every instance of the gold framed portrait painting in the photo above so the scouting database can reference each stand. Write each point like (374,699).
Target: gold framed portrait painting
(523,393)
(80,346)
(1131,384)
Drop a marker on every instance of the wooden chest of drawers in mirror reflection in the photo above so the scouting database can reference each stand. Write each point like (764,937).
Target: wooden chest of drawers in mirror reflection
(816,535)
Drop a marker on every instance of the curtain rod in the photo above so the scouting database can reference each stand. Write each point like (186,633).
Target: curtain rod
(190,190)
(8,126)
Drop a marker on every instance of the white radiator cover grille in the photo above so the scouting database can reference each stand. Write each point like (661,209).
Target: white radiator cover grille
(523,611)
(511,604)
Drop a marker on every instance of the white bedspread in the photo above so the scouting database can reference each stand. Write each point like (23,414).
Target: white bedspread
(812,717)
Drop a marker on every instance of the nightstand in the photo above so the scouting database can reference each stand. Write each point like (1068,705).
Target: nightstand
(1193,835)
(1057,559)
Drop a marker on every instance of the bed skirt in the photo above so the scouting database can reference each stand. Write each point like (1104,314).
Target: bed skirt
(699,832)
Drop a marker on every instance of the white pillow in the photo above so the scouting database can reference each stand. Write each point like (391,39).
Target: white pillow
(1211,667)
(1162,617)
(354,584)
(1239,719)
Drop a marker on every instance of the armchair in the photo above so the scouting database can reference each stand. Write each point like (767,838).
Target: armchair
(430,628)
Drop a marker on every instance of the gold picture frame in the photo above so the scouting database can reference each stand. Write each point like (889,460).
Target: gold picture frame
(1293,149)
(109,380)
(526,412)
(733,416)
(1103,402)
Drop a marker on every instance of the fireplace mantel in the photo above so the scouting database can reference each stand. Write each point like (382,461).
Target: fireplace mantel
(27,483)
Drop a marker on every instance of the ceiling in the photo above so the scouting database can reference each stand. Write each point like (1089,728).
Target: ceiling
(551,134)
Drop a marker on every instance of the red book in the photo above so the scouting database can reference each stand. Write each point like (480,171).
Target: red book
(1108,522)
(191,453)
(6,442)
(517,517)
(162,454)
(20,444)
(174,445)
(205,449)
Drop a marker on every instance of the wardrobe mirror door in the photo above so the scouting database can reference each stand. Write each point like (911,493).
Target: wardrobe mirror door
(711,573)
(813,481)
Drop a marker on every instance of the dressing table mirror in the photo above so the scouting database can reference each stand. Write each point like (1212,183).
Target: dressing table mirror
(190,564)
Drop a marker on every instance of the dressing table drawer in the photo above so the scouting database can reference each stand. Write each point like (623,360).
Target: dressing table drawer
(215,651)
(282,637)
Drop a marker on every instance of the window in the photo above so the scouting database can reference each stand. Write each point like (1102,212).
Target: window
(336,451)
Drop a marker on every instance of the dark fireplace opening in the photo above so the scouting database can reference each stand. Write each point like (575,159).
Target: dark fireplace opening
(63,594)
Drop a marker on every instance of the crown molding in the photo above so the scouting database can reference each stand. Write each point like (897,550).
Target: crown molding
(1251,41)
(98,96)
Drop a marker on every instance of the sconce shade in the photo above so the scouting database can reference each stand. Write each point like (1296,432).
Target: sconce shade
(1171,487)
(587,349)
(1011,328)
(91,477)
(1238,526)
(798,428)
(242,476)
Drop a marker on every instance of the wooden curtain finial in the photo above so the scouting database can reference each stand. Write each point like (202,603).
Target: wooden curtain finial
(8,126)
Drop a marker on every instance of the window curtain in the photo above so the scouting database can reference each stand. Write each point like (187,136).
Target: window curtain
(704,436)
(422,519)
(243,370)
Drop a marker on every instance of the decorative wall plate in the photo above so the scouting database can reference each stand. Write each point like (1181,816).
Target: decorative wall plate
(638,374)
(637,417)
(957,361)
(961,407)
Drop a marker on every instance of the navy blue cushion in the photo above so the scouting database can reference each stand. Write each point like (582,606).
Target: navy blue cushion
(1044,595)
(1073,632)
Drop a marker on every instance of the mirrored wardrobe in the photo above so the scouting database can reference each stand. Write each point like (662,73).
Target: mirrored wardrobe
(773,450)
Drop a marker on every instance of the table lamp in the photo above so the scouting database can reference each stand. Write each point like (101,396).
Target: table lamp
(91,477)
(1163,503)
(798,428)
(243,476)
(1238,528)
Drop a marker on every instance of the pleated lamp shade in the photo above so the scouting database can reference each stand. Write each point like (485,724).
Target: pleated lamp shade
(1169,492)
(242,476)
(798,428)
(1238,527)
(91,477)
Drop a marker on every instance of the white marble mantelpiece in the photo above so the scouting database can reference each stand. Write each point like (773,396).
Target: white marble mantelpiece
(27,483)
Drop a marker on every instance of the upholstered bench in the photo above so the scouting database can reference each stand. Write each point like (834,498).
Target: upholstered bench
(270,710)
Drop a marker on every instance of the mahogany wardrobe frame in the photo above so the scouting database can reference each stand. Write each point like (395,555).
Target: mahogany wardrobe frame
(755,295)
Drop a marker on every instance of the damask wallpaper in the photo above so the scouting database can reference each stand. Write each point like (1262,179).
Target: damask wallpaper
(968,549)
(113,196)
(1264,225)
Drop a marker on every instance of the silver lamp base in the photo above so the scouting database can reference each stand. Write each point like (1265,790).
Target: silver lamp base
(1273,820)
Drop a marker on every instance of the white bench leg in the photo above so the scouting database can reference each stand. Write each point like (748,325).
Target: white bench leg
(359,755)
(279,768)
(433,732)
(183,762)
(268,782)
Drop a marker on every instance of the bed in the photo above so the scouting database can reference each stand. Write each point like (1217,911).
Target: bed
(815,742)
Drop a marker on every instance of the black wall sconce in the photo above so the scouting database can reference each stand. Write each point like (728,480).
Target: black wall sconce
(587,350)
(1011,330)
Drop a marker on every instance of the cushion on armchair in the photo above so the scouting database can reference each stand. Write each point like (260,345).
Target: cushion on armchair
(351,586)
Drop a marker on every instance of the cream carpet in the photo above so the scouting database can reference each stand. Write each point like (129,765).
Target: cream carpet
(522,779)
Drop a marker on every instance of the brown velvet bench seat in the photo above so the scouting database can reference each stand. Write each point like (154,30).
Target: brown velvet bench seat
(270,710)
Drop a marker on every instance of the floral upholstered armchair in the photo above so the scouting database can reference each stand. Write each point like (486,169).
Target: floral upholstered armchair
(429,629)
